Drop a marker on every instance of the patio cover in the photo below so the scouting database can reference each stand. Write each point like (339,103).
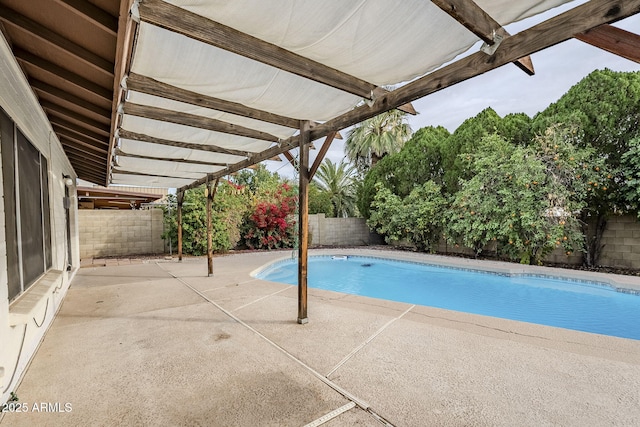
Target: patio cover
(195,90)
(216,86)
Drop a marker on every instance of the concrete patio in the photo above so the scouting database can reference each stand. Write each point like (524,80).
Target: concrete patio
(158,343)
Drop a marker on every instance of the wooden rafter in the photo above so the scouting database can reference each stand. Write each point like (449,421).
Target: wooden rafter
(93,14)
(40,86)
(197,27)
(76,159)
(80,139)
(51,68)
(196,121)
(63,120)
(615,40)
(190,146)
(66,124)
(74,148)
(126,172)
(480,23)
(151,86)
(121,153)
(54,39)
(546,34)
(89,176)
(60,111)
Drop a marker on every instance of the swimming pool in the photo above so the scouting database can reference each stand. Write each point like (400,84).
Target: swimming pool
(577,305)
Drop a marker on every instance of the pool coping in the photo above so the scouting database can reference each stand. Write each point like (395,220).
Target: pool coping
(618,282)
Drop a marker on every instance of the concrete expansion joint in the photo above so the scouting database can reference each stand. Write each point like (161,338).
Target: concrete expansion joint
(346,394)
(368,340)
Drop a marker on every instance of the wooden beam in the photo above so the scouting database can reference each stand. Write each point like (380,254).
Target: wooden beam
(71,77)
(80,140)
(101,146)
(88,176)
(201,147)
(92,14)
(193,120)
(82,160)
(79,130)
(480,23)
(211,194)
(548,33)
(40,86)
(60,111)
(127,28)
(150,86)
(56,40)
(75,159)
(73,147)
(615,40)
(407,108)
(321,154)
(199,28)
(303,221)
(121,153)
(180,197)
(133,173)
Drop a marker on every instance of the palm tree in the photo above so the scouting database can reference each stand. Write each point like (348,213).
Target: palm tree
(376,137)
(337,179)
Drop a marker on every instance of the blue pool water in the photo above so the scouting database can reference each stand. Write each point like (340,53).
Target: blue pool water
(581,306)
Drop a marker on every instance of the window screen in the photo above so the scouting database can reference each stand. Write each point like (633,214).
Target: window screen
(8,177)
(26,208)
(30,200)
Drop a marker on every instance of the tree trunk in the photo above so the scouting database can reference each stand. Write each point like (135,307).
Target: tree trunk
(593,234)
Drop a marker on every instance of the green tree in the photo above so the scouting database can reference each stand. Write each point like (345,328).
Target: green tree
(465,140)
(376,137)
(416,218)
(630,168)
(319,201)
(227,214)
(254,179)
(419,161)
(526,199)
(605,110)
(337,180)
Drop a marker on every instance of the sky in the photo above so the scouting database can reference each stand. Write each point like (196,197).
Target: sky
(506,89)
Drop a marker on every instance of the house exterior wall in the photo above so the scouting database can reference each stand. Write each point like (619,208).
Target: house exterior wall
(120,232)
(24,321)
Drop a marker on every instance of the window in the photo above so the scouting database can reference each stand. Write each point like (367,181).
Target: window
(26,203)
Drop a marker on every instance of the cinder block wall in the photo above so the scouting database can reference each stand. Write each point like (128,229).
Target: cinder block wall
(621,240)
(340,231)
(120,232)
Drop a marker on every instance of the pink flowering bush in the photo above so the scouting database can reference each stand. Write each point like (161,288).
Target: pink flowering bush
(271,223)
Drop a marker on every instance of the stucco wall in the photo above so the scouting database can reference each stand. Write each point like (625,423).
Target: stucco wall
(24,321)
(120,232)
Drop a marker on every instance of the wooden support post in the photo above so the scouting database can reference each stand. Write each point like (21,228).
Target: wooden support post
(211,193)
(303,218)
(180,200)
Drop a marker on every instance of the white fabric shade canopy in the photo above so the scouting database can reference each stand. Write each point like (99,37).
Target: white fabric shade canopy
(370,43)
